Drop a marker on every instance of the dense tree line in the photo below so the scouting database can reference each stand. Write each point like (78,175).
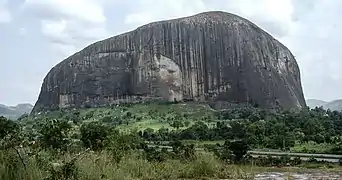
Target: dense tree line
(257,127)
(260,128)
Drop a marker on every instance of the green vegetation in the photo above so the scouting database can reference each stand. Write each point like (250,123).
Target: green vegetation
(200,125)
(52,153)
(159,141)
(319,148)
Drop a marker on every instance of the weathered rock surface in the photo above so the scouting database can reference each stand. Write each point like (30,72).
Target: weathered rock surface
(211,57)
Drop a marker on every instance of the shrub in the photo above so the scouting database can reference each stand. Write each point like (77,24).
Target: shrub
(187,123)
(239,148)
(203,167)
(106,119)
(7,127)
(54,134)
(122,144)
(89,115)
(296,161)
(152,154)
(94,135)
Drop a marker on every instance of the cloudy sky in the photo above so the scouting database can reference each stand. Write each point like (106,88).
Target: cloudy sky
(37,34)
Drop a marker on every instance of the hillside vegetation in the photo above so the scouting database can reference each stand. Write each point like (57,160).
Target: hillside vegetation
(129,141)
(192,122)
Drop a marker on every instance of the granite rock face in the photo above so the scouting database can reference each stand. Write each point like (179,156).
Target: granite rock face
(213,57)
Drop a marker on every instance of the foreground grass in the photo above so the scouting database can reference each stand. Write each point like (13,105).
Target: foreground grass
(133,167)
(103,165)
(93,166)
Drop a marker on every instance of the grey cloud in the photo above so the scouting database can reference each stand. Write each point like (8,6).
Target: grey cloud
(302,7)
(316,44)
(272,25)
(73,27)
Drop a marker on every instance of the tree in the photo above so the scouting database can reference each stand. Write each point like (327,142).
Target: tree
(106,119)
(238,128)
(163,134)
(54,133)
(319,138)
(10,133)
(188,152)
(94,135)
(186,123)
(121,144)
(152,154)
(239,148)
(197,131)
(75,117)
(177,124)
(148,134)
(89,115)
(7,127)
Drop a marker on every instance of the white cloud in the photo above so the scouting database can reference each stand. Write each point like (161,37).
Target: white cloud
(73,24)
(274,15)
(145,11)
(90,11)
(5,15)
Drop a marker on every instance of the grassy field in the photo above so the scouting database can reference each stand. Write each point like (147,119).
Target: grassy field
(150,123)
(143,116)
(312,148)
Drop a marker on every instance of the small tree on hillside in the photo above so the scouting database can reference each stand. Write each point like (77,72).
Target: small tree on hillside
(148,134)
(7,127)
(94,135)
(186,123)
(10,133)
(177,124)
(54,133)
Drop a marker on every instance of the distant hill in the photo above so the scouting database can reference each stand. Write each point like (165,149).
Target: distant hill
(332,105)
(315,103)
(14,112)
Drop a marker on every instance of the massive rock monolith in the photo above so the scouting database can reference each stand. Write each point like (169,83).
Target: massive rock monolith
(212,57)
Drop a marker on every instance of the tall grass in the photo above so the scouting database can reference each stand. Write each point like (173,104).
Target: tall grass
(96,166)
(132,166)
(12,166)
